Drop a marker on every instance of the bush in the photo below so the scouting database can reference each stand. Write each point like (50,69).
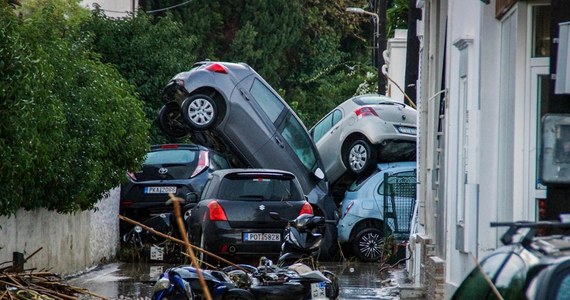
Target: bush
(71,125)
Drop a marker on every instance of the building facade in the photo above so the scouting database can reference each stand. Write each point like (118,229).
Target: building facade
(485,81)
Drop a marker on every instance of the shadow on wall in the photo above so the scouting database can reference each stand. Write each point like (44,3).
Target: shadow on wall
(71,243)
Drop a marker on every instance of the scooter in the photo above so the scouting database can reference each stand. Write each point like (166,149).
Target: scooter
(301,243)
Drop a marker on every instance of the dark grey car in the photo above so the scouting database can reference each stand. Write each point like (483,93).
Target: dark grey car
(231,108)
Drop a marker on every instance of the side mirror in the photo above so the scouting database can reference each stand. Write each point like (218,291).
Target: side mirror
(319,173)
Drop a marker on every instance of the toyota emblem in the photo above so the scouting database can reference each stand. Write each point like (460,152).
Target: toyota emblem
(162,171)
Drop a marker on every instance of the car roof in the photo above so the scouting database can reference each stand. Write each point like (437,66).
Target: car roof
(194,147)
(394,166)
(251,171)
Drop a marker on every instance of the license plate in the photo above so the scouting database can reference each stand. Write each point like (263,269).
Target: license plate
(160,189)
(156,253)
(261,237)
(407,130)
(318,290)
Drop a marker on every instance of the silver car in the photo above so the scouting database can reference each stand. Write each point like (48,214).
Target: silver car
(363,131)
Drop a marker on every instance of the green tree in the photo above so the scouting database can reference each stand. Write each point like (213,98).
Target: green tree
(146,52)
(71,125)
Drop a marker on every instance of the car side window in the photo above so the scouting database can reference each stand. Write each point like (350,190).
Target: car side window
(220,162)
(322,128)
(269,103)
(296,136)
(399,184)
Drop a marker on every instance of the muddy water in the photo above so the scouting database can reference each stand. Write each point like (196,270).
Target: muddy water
(134,281)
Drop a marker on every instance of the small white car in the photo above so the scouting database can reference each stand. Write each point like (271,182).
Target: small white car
(363,131)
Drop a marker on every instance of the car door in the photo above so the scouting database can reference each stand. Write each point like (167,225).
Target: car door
(248,126)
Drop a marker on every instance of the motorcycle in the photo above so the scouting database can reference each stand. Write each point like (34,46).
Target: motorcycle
(183,283)
(151,247)
(301,242)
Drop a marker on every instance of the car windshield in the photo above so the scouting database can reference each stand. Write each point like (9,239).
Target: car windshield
(170,157)
(259,188)
(296,136)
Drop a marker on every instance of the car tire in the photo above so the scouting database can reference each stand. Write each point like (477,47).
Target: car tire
(368,244)
(360,157)
(200,112)
(171,122)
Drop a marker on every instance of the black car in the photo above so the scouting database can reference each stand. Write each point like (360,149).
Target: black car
(231,108)
(232,218)
(527,267)
(180,169)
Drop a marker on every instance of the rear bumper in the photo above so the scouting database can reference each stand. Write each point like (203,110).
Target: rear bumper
(223,240)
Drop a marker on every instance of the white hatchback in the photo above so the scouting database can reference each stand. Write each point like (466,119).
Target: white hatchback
(363,131)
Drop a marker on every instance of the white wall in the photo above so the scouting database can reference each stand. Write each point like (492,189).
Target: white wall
(113,8)
(397,67)
(71,242)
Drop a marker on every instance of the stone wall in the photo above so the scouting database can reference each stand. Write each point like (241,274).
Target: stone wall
(70,243)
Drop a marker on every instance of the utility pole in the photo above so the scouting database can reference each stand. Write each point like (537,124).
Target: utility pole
(380,9)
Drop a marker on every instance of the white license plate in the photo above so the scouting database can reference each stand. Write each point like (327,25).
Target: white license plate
(318,290)
(156,253)
(160,189)
(261,237)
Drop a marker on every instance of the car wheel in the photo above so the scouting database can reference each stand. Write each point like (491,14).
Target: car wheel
(360,157)
(368,244)
(200,112)
(171,121)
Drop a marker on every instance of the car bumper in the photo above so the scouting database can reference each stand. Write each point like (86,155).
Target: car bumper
(223,240)
(345,226)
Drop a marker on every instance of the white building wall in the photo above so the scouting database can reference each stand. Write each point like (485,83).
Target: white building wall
(397,66)
(70,243)
(113,8)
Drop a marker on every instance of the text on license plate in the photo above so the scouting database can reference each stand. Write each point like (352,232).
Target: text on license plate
(160,189)
(254,237)
(318,290)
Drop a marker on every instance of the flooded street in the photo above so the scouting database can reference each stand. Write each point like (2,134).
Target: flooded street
(135,281)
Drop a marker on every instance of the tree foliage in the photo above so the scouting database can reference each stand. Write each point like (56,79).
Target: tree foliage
(310,51)
(71,125)
(146,52)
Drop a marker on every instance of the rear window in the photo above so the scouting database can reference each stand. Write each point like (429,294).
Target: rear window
(171,157)
(369,100)
(259,188)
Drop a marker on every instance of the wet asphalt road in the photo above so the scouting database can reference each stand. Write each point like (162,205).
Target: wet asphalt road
(135,281)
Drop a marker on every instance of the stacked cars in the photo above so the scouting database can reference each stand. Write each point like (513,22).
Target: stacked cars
(229,107)
(231,110)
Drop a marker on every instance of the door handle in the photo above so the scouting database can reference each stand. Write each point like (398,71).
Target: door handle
(279,142)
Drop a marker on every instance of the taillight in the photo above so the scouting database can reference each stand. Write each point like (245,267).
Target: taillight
(217,68)
(365,111)
(217,213)
(132,176)
(348,207)
(203,162)
(169,146)
(306,209)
